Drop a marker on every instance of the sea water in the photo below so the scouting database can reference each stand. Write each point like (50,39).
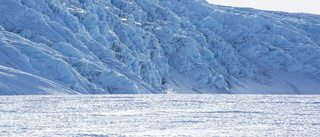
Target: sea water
(160,115)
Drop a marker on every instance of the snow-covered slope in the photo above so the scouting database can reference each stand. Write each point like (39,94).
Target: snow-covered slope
(17,82)
(155,46)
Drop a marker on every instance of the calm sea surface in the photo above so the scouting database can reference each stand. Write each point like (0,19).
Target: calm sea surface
(160,115)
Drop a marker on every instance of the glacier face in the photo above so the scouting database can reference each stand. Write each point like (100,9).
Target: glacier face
(152,46)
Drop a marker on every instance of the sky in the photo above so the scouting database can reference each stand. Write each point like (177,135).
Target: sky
(306,6)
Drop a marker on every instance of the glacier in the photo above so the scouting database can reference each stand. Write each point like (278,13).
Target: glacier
(155,46)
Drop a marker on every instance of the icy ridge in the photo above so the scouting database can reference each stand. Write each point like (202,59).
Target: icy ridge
(137,46)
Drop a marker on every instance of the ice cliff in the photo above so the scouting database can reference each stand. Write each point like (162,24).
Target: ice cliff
(154,46)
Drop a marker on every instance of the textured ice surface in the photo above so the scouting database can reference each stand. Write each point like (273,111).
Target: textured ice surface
(157,46)
(160,115)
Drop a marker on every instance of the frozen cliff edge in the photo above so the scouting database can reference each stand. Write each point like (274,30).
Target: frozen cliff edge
(153,46)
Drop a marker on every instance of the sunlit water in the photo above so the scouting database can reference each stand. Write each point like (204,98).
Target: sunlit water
(160,115)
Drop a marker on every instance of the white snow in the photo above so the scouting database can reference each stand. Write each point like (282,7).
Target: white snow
(280,83)
(157,46)
(160,115)
(19,83)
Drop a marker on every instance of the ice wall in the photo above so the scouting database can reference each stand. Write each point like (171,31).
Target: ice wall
(141,46)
